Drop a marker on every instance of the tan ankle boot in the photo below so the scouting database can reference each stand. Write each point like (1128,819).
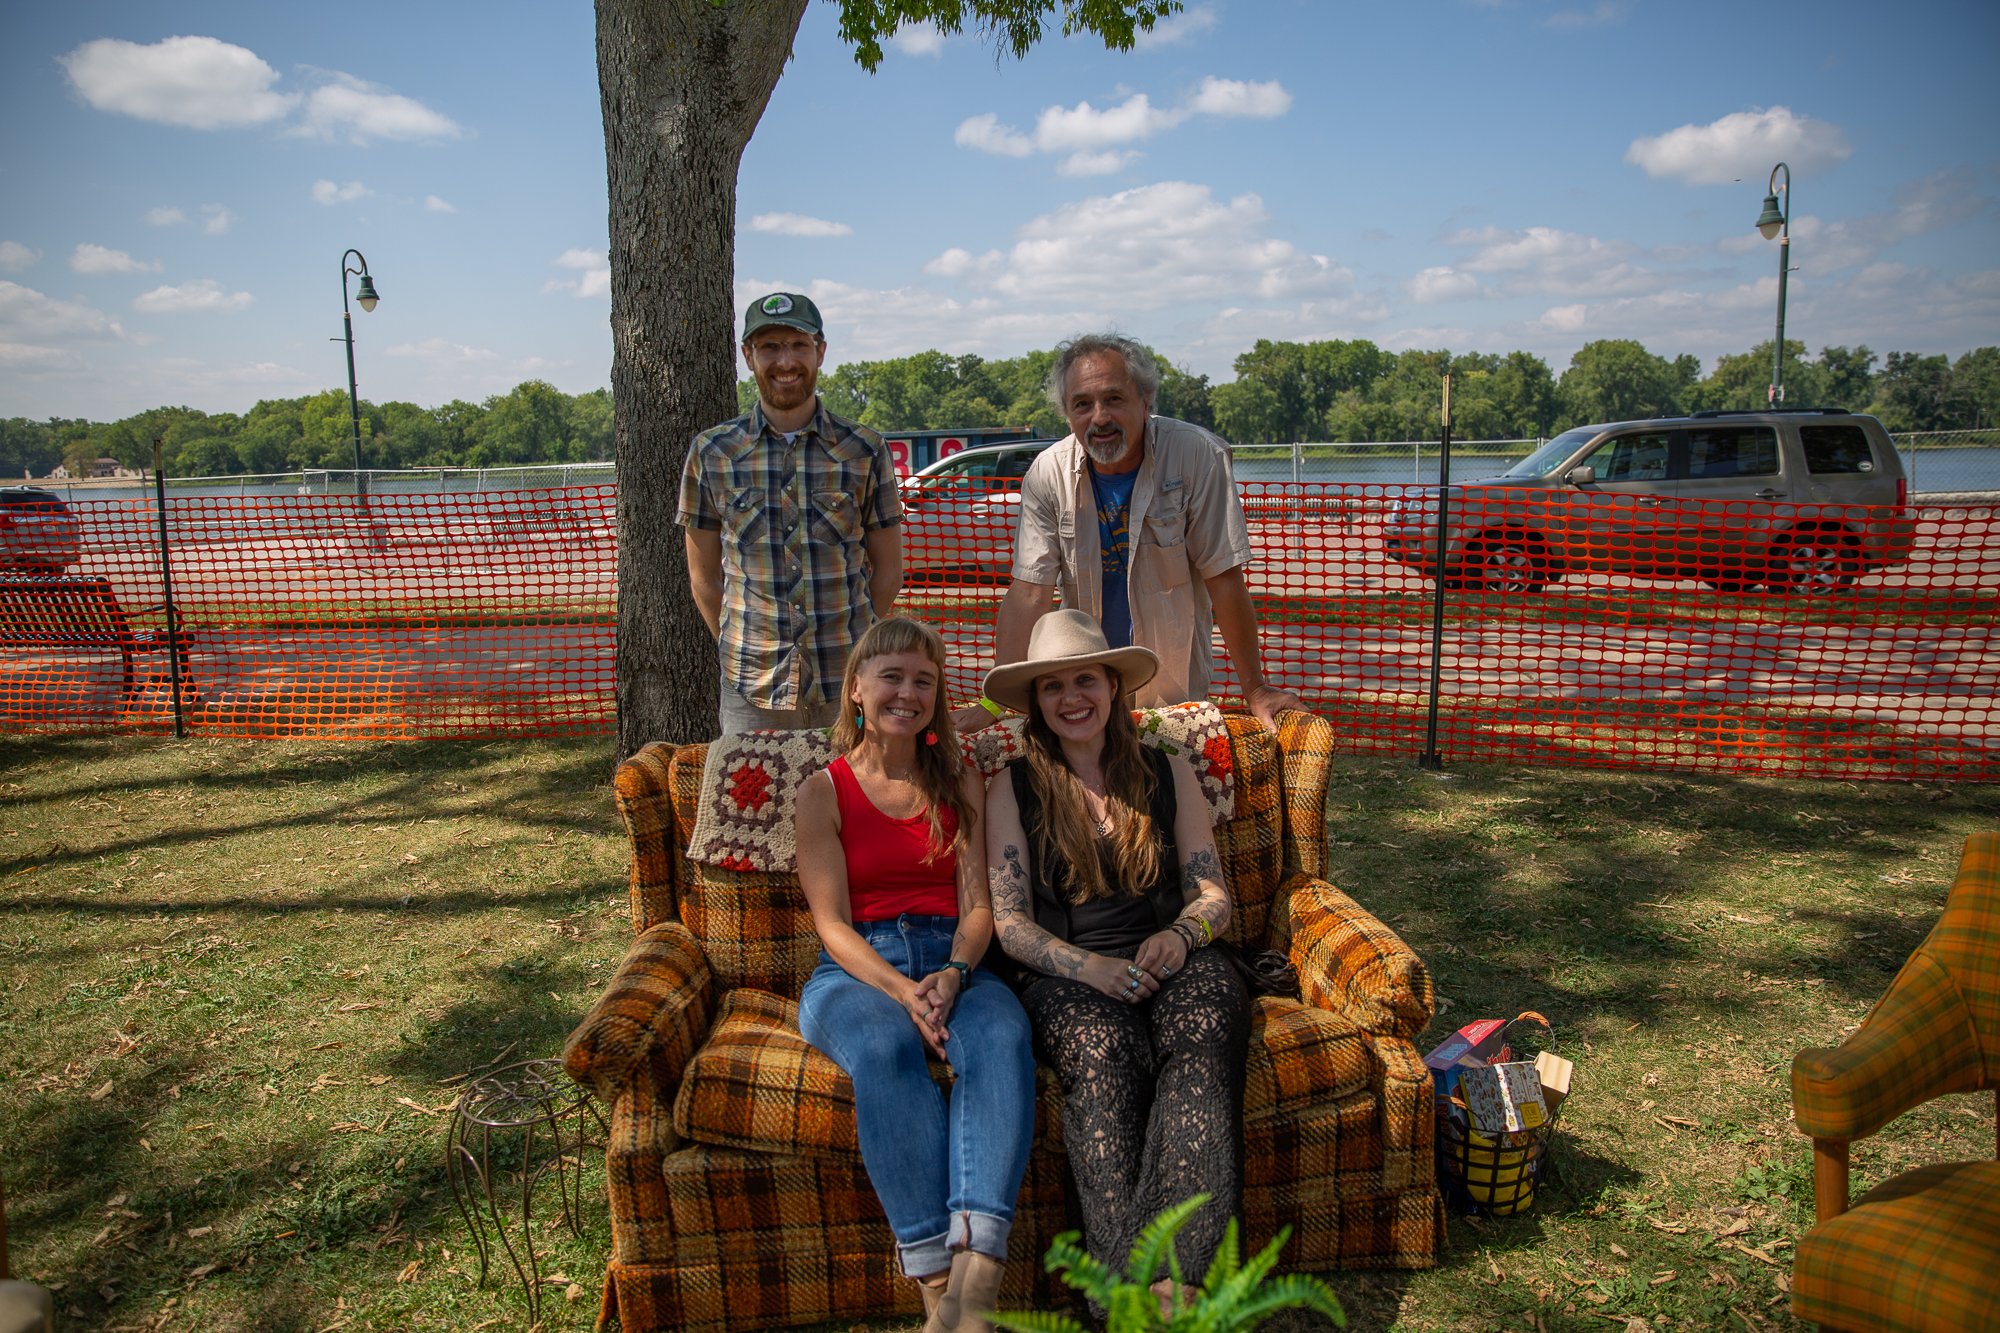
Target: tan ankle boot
(931,1290)
(972,1293)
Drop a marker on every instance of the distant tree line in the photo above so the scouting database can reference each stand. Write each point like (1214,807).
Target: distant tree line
(1283,392)
(534,423)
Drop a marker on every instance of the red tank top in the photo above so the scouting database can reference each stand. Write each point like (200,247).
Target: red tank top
(888,869)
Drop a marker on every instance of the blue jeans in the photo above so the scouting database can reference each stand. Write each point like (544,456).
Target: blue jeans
(946,1175)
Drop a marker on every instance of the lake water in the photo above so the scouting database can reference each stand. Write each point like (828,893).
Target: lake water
(1931,472)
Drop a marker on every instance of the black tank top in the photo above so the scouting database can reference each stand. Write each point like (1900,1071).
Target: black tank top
(1115,926)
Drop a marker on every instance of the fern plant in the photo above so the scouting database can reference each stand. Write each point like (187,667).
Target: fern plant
(1233,1296)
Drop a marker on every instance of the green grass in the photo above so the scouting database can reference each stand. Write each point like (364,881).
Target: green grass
(228,970)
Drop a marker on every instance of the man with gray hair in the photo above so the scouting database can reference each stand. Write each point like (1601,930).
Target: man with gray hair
(1136,518)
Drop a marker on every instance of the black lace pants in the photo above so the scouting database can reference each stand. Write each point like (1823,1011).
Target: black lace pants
(1152,1103)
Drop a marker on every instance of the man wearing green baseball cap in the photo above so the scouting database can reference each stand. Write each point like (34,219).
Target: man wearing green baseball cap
(794,530)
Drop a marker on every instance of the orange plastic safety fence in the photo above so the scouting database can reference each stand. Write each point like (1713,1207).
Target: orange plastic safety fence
(394,615)
(1578,627)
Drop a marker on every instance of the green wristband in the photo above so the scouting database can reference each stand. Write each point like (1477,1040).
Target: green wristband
(964,968)
(992,707)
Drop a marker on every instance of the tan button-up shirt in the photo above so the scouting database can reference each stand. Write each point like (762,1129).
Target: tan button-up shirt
(1186,526)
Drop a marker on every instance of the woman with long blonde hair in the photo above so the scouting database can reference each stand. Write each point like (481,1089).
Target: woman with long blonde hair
(888,839)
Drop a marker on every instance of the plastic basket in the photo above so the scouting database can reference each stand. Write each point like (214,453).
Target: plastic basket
(1493,1174)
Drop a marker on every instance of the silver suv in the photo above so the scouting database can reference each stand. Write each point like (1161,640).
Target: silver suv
(1798,500)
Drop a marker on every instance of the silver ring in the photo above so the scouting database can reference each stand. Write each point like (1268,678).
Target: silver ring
(1132,985)
(1166,971)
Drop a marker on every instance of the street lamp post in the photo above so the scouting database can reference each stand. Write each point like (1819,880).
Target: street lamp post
(366,298)
(1777,222)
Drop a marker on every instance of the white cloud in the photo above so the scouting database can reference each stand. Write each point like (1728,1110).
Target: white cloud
(1176,29)
(27,314)
(1096,164)
(215,218)
(1083,127)
(1547,261)
(1599,15)
(96,259)
(1228,97)
(326,192)
(202,296)
(195,82)
(1564,318)
(593,272)
(1159,245)
(15,256)
(433,204)
(28,357)
(918,39)
(442,352)
(354,111)
(988,135)
(1740,147)
(1085,134)
(798,224)
(957,263)
(1434,285)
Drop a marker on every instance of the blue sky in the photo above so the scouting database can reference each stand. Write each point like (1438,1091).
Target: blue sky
(177,185)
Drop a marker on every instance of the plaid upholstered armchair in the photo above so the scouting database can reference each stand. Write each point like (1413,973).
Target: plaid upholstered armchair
(737,1194)
(1921,1250)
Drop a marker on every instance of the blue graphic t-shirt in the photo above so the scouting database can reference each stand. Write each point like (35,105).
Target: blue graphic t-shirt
(1114,540)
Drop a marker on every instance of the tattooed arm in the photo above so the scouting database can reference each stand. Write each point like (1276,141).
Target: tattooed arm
(1204,896)
(1014,922)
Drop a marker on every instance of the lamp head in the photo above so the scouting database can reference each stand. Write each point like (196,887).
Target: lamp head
(366,297)
(1768,221)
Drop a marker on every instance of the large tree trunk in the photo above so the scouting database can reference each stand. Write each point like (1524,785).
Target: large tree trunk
(683,84)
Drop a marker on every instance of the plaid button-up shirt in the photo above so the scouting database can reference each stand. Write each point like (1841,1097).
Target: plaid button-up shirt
(794,516)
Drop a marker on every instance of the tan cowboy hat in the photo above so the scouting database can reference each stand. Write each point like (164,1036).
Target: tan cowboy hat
(1061,640)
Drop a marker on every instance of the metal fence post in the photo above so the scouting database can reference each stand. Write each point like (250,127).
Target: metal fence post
(1430,759)
(167,589)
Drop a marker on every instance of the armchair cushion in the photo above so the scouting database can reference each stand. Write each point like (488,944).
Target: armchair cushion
(1916,1252)
(756,1084)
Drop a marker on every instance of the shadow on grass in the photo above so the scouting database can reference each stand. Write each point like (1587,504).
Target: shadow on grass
(283,1193)
(403,779)
(1585,891)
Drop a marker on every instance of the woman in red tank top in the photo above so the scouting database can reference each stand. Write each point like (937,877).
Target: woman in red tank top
(889,839)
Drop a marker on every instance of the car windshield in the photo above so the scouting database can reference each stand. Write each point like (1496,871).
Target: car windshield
(1555,451)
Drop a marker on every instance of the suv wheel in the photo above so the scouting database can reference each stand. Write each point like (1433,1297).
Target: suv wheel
(1501,562)
(1812,565)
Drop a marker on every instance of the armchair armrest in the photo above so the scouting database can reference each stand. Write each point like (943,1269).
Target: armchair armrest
(652,1016)
(1916,1044)
(1352,964)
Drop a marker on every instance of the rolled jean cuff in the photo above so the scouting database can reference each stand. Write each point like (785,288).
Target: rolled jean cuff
(982,1233)
(926,1257)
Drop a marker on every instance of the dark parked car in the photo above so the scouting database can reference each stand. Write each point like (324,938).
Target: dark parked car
(38,533)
